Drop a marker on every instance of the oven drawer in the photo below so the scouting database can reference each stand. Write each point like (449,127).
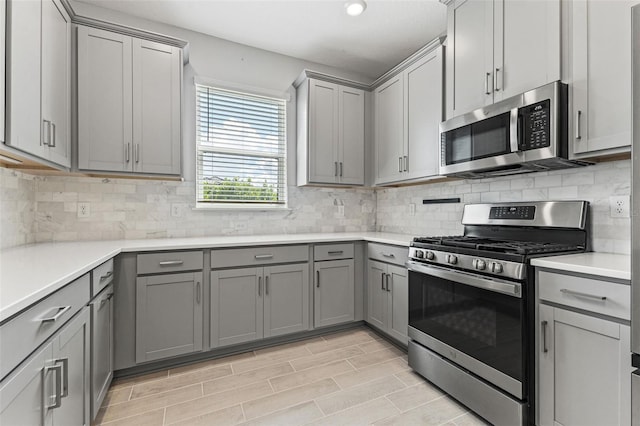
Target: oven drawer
(333,251)
(397,255)
(594,295)
(162,262)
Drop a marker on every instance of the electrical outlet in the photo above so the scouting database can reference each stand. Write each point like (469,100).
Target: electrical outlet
(340,211)
(619,205)
(175,210)
(412,209)
(84,210)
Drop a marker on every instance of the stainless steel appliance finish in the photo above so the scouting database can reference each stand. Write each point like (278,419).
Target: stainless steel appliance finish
(547,214)
(635,216)
(476,394)
(503,268)
(524,133)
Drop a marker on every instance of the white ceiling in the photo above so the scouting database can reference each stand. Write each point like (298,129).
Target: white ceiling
(314,30)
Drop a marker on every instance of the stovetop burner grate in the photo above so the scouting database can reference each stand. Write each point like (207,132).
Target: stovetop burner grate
(496,245)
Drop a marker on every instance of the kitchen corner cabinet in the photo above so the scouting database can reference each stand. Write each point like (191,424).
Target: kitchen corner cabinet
(408,111)
(601,123)
(248,304)
(584,367)
(499,48)
(129,103)
(330,133)
(38,77)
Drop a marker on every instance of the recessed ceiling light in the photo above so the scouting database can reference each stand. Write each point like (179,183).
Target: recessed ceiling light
(355,7)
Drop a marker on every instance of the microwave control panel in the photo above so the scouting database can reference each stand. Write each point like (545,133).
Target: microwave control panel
(535,126)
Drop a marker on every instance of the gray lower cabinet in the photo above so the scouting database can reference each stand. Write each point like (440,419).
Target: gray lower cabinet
(51,387)
(388,299)
(248,304)
(101,347)
(169,315)
(334,288)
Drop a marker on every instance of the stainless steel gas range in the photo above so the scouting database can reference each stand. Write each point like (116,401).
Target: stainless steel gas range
(472,302)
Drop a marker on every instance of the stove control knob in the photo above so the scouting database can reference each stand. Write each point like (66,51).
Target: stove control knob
(419,254)
(496,268)
(479,264)
(429,255)
(452,259)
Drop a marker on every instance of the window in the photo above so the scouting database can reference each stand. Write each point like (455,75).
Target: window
(241,149)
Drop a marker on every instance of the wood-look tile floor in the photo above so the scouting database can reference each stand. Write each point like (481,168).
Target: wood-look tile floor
(348,378)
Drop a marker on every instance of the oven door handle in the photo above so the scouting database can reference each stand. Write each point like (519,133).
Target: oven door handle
(485,283)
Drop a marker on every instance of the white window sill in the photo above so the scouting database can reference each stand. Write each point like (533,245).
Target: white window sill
(241,207)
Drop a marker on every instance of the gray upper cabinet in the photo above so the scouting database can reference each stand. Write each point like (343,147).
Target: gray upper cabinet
(330,133)
(601,123)
(334,292)
(38,76)
(408,112)
(129,100)
(499,48)
(169,315)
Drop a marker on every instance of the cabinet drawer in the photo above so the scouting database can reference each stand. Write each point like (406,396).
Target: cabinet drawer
(101,277)
(173,261)
(23,334)
(333,251)
(258,256)
(397,255)
(586,293)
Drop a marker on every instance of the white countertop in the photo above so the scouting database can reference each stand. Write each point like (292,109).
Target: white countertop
(31,272)
(606,265)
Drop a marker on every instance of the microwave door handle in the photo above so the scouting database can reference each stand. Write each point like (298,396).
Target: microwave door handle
(514,130)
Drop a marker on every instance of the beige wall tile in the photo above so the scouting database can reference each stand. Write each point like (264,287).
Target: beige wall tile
(288,398)
(326,357)
(359,394)
(360,415)
(297,415)
(179,381)
(226,416)
(310,375)
(243,379)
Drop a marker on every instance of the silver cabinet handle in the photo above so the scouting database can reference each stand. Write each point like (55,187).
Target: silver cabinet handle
(137,153)
(104,300)
(578,117)
(106,276)
(544,336)
(391,255)
(399,164)
(198,292)
(382,281)
(406,160)
(495,80)
(171,262)
(127,150)
(61,310)
(46,133)
(52,141)
(335,252)
(341,169)
(259,286)
(266,285)
(335,168)
(580,294)
(263,256)
(387,287)
(65,375)
(57,369)
(486,84)
(317,279)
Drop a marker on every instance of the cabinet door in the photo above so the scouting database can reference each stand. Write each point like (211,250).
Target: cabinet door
(24,394)
(398,303)
(101,349)
(168,315)
(3,32)
(469,56)
(71,348)
(323,132)
(585,374)
(423,106)
(236,306)
(601,75)
(286,299)
(24,126)
(389,130)
(527,45)
(334,292)
(376,294)
(56,86)
(104,101)
(351,140)
(157,86)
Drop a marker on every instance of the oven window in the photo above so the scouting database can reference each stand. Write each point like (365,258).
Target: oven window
(486,138)
(483,324)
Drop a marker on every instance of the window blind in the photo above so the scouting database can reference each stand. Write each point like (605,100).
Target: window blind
(241,148)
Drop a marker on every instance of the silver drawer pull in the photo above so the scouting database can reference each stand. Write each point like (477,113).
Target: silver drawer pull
(579,294)
(106,276)
(263,256)
(388,254)
(171,262)
(105,299)
(544,336)
(60,310)
(335,252)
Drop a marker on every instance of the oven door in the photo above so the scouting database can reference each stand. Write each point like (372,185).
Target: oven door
(475,321)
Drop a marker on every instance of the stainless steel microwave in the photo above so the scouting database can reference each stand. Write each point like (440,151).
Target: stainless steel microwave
(524,133)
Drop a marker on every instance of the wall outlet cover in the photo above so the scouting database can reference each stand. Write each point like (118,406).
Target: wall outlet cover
(84,210)
(620,205)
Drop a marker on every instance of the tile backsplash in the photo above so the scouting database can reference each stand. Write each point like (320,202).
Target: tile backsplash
(44,208)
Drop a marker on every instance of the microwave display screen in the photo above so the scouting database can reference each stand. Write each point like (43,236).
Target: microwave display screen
(486,138)
(536,126)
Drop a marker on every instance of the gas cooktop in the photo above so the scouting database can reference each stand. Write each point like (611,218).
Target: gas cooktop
(493,244)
